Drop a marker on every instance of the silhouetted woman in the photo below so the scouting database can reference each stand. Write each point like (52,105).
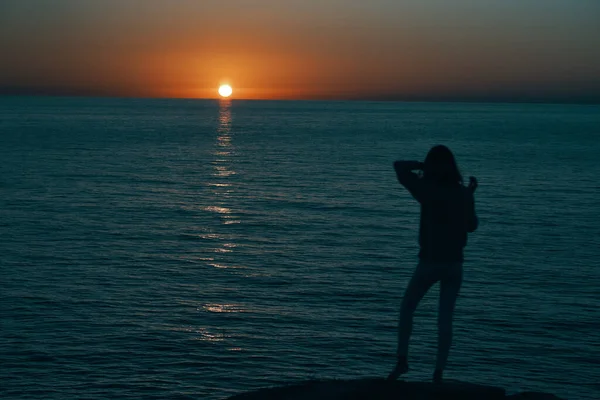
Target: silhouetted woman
(447,215)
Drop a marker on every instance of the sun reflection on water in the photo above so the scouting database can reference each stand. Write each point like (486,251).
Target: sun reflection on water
(224,308)
(207,336)
(219,184)
(218,210)
(224,266)
(222,187)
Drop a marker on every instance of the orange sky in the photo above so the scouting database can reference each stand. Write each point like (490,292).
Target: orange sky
(302,49)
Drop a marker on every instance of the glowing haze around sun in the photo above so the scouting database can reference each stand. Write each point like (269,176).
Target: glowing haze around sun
(225,90)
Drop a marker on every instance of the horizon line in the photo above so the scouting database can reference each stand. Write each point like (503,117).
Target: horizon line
(575,100)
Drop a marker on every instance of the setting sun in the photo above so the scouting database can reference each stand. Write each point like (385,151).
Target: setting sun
(225,90)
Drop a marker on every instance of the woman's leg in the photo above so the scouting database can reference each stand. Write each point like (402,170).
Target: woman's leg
(423,278)
(449,287)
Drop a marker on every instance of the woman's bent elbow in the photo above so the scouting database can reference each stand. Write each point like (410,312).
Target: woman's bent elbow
(473,225)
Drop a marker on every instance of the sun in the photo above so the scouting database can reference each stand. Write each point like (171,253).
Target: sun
(225,90)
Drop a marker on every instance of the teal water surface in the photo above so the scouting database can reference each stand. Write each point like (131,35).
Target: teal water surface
(197,249)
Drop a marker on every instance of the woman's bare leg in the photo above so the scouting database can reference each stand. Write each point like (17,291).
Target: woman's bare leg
(449,287)
(422,280)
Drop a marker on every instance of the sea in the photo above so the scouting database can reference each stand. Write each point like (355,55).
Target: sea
(197,249)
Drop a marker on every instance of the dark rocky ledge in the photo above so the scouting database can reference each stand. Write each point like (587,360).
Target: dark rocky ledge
(380,389)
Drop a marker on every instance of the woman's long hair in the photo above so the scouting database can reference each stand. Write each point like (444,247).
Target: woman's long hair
(441,167)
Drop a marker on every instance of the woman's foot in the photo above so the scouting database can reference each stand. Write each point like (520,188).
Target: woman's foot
(400,368)
(437,376)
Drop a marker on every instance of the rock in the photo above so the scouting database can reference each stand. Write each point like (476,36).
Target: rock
(532,396)
(376,389)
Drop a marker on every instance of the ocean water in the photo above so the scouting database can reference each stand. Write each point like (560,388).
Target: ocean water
(199,249)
